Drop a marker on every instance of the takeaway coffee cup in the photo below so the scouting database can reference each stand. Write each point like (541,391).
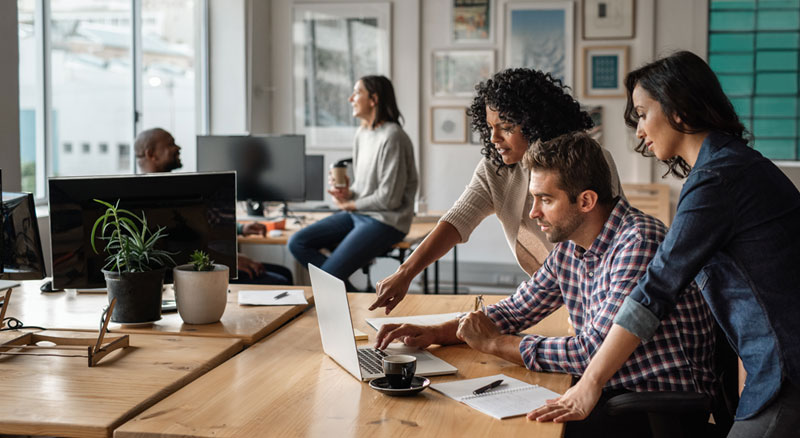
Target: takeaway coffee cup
(339,174)
(399,370)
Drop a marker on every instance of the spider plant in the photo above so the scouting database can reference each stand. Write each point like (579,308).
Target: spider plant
(130,243)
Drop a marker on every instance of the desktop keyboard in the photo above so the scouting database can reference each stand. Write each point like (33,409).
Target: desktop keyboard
(371,360)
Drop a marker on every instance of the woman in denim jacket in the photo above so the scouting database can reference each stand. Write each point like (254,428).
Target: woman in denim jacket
(736,231)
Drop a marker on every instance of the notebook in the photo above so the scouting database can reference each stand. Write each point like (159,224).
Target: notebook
(511,399)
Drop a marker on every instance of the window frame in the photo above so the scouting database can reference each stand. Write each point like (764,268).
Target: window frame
(44,104)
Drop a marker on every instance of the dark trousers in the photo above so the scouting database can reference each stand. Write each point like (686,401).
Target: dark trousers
(273,275)
(354,240)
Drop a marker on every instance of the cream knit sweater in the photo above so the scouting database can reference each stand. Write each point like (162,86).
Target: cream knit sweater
(506,195)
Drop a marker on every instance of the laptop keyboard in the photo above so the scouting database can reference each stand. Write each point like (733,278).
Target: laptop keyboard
(371,360)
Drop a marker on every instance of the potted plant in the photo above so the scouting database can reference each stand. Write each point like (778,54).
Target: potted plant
(201,289)
(135,268)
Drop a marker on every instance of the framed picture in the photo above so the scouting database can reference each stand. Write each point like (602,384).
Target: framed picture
(455,72)
(540,35)
(448,124)
(609,19)
(604,71)
(474,136)
(596,113)
(472,21)
(333,45)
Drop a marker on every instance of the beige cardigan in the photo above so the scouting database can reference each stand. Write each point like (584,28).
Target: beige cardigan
(506,195)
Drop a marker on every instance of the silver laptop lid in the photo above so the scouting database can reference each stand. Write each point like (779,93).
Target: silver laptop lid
(333,316)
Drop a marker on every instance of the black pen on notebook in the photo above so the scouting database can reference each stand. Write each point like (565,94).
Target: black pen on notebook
(282,295)
(492,385)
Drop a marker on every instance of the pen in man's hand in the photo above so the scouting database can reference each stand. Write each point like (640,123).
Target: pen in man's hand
(483,389)
(282,295)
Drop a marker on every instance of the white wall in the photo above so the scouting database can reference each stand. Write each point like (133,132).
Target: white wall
(228,66)
(448,168)
(9,104)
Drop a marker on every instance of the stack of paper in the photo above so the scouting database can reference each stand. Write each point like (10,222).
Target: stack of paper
(291,297)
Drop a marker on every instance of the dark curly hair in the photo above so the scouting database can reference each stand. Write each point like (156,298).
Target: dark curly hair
(684,85)
(530,99)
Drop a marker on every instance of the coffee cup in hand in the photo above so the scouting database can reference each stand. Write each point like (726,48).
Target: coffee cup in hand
(399,370)
(339,174)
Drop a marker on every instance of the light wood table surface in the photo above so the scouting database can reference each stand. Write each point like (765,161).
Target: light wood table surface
(81,311)
(420,227)
(286,386)
(62,396)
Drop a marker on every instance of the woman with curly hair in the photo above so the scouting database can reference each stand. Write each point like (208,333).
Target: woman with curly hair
(512,110)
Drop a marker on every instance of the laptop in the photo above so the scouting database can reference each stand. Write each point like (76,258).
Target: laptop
(338,341)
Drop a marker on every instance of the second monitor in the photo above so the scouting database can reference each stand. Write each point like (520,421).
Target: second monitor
(269,168)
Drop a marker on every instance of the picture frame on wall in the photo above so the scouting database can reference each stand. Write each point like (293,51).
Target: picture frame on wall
(448,124)
(604,71)
(472,21)
(455,72)
(609,19)
(325,66)
(540,36)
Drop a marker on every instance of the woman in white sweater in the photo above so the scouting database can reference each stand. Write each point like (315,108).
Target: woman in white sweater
(378,206)
(513,109)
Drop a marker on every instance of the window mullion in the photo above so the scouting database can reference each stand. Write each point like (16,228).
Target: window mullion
(136,63)
(44,110)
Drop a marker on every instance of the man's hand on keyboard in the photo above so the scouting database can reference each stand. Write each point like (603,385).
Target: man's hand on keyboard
(412,335)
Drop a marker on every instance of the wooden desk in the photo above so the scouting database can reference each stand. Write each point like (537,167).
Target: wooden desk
(62,396)
(74,311)
(286,386)
(421,226)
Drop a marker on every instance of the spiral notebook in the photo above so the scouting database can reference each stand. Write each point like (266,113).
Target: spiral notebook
(511,399)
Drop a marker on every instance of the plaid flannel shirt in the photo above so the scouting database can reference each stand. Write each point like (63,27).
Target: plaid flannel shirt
(593,284)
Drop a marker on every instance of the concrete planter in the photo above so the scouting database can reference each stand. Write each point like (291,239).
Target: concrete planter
(201,296)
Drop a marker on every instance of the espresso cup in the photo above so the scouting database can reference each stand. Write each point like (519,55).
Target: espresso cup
(339,174)
(399,370)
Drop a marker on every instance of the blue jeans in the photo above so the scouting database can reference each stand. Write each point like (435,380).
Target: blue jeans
(354,240)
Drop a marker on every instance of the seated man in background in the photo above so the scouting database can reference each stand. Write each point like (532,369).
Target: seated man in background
(603,247)
(156,151)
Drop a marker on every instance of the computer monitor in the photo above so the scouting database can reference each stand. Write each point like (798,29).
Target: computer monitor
(269,168)
(198,211)
(21,250)
(315,177)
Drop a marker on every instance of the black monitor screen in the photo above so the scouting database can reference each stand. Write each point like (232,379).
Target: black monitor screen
(198,211)
(268,167)
(315,178)
(22,255)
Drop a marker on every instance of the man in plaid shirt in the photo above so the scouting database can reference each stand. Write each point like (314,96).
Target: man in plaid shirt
(604,247)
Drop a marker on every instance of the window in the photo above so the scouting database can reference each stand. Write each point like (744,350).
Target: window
(103,75)
(754,50)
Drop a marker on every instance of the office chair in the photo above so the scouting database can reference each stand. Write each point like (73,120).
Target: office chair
(680,414)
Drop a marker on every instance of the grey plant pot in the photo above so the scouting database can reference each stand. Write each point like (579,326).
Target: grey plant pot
(201,296)
(138,295)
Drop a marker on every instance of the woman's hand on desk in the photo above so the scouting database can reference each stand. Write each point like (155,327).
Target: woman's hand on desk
(390,291)
(574,405)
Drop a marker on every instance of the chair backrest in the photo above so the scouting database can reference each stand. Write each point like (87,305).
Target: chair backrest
(652,199)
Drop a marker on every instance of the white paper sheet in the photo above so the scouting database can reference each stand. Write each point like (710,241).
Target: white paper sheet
(437,318)
(292,297)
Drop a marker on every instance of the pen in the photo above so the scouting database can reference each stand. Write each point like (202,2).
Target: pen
(483,389)
(479,304)
(282,295)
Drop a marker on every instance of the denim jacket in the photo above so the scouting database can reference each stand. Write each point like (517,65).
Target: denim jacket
(737,233)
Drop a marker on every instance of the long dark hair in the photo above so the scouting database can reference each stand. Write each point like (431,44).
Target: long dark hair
(530,99)
(685,87)
(381,87)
